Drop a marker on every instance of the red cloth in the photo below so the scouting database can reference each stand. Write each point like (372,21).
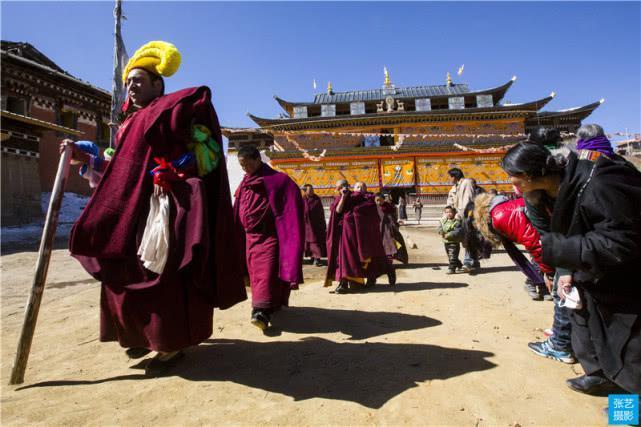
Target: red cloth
(354,236)
(286,206)
(315,227)
(172,310)
(509,219)
(261,243)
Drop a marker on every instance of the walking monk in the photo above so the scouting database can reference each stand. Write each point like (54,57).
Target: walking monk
(354,242)
(168,305)
(268,213)
(315,227)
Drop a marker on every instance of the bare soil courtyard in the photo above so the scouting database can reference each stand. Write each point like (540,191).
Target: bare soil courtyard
(436,350)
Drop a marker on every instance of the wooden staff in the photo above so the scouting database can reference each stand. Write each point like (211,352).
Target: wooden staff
(42,266)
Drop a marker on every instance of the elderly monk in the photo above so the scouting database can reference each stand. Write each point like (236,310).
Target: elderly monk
(315,227)
(268,213)
(353,240)
(171,308)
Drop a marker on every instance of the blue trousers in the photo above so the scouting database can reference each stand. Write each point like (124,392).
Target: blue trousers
(562,324)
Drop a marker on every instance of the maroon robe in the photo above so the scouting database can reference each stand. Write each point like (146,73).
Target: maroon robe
(269,224)
(172,310)
(353,237)
(391,234)
(315,227)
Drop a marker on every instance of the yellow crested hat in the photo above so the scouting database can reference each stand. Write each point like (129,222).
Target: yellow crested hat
(157,57)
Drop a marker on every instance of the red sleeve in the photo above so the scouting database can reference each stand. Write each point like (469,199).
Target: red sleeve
(509,219)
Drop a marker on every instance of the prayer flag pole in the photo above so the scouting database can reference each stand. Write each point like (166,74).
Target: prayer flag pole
(42,266)
(120,61)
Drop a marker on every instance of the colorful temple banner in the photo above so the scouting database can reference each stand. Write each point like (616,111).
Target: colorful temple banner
(432,177)
(323,175)
(397,172)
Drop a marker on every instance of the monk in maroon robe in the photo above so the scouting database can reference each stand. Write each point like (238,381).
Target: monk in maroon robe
(171,310)
(315,227)
(268,214)
(354,244)
(393,242)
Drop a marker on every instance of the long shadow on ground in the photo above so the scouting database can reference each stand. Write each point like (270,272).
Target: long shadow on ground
(498,269)
(369,374)
(412,266)
(358,325)
(409,287)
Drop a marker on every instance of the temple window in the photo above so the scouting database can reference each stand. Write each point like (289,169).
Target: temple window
(300,112)
(484,101)
(103,133)
(68,119)
(456,103)
(387,140)
(357,108)
(16,105)
(423,104)
(328,110)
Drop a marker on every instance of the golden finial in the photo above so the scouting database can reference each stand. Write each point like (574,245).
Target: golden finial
(329,88)
(388,82)
(449,79)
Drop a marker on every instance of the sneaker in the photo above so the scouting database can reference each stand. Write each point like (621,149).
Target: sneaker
(450,271)
(533,292)
(469,269)
(546,349)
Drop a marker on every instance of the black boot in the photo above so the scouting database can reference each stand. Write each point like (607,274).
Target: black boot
(370,283)
(596,384)
(391,277)
(342,287)
(260,318)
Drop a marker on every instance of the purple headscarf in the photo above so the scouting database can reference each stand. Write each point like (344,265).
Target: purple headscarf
(598,143)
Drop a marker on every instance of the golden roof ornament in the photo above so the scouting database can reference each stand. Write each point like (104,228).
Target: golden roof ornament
(388,82)
(329,88)
(449,79)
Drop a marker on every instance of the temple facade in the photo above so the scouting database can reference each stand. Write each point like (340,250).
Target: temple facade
(402,140)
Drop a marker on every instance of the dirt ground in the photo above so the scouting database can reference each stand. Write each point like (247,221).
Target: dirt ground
(437,350)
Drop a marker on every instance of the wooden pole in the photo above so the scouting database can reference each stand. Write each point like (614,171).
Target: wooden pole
(42,266)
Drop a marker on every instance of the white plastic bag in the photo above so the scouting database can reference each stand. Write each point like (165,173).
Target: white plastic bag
(154,247)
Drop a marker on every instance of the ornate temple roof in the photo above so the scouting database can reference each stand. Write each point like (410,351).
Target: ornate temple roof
(413,92)
(395,117)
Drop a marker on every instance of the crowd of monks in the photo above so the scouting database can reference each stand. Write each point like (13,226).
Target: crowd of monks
(278,228)
(164,270)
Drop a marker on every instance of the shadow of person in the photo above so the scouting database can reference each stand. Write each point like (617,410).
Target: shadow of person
(358,325)
(408,287)
(369,374)
(412,266)
(498,269)
(366,373)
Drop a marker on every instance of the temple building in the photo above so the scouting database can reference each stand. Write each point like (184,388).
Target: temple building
(402,140)
(41,105)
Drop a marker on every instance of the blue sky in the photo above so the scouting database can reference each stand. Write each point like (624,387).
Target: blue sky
(248,52)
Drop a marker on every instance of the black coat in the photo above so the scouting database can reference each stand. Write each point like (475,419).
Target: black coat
(596,233)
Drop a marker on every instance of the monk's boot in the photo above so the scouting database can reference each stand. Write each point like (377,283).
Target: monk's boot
(391,277)
(137,352)
(162,363)
(260,319)
(342,287)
